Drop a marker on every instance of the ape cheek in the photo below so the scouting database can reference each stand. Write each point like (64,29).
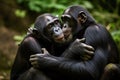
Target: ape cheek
(69,38)
(67,34)
(59,39)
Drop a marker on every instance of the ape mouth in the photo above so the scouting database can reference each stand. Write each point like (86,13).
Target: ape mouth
(60,38)
(66,35)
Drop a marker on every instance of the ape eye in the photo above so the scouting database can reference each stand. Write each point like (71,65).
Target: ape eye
(64,26)
(49,26)
(63,19)
(66,19)
(56,22)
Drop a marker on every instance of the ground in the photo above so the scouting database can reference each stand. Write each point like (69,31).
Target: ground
(8,50)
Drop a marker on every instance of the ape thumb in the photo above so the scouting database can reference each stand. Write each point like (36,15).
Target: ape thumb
(44,50)
(82,40)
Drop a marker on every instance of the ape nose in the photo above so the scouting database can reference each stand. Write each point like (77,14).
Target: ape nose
(57,30)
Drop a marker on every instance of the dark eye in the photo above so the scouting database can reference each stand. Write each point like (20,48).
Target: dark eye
(64,26)
(63,19)
(57,21)
(49,26)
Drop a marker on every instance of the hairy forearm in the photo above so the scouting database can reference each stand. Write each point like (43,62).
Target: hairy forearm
(78,69)
(68,67)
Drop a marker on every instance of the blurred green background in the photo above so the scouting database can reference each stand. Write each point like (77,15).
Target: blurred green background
(16,16)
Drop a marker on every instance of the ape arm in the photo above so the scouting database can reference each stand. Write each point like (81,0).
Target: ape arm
(79,51)
(21,64)
(80,70)
(97,37)
(74,69)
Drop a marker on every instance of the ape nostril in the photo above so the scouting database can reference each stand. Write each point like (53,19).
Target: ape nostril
(56,30)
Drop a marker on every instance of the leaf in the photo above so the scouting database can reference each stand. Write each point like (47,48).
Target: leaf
(20,13)
(88,5)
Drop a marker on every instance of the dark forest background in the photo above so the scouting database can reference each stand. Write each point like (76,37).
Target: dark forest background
(16,16)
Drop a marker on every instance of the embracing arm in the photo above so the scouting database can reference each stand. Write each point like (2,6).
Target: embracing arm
(72,68)
(78,50)
(89,68)
(21,64)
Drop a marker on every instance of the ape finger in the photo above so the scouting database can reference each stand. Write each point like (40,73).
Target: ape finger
(36,55)
(82,40)
(89,52)
(88,47)
(35,64)
(32,56)
(33,59)
(86,57)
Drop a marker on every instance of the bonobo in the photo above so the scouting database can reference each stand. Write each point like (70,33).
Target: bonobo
(78,23)
(47,33)
(95,34)
(77,18)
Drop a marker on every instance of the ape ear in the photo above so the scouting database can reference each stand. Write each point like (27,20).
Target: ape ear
(82,17)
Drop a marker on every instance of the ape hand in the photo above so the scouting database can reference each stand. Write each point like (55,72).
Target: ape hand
(41,60)
(84,51)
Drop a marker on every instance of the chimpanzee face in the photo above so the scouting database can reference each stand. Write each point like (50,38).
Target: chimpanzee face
(68,26)
(53,29)
(72,21)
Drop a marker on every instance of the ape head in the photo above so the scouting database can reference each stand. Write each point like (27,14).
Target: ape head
(48,27)
(75,18)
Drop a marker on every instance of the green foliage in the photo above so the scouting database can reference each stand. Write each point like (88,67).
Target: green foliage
(104,17)
(18,38)
(54,6)
(116,35)
(115,32)
(20,13)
